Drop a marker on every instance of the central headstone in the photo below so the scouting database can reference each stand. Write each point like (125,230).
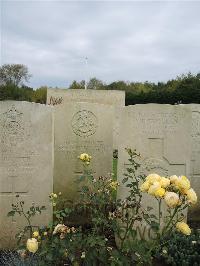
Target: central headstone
(110,97)
(26,164)
(81,128)
(113,98)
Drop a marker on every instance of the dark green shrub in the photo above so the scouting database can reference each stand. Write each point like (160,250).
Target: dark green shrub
(180,250)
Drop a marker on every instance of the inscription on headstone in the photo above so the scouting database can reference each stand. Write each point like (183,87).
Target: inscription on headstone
(26,162)
(161,134)
(81,128)
(194,211)
(108,97)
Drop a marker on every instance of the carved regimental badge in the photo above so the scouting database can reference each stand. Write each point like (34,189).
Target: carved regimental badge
(84,123)
(13,128)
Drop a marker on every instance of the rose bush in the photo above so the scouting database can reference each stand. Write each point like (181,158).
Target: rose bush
(177,195)
(109,234)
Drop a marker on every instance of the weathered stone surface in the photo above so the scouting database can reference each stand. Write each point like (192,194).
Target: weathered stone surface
(81,128)
(161,134)
(114,98)
(194,211)
(59,96)
(26,163)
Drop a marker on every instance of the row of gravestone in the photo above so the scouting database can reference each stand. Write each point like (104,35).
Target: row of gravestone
(39,146)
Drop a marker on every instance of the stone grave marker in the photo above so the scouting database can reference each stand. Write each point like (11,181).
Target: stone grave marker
(26,163)
(109,97)
(81,128)
(194,211)
(161,134)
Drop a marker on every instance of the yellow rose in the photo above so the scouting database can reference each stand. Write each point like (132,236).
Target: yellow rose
(183,228)
(153,178)
(145,186)
(66,253)
(183,184)
(160,192)
(85,157)
(173,179)
(114,185)
(35,234)
(191,196)
(154,187)
(32,245)
(59,228)
(73,229)
(171,199)
(83,255)
(165,182)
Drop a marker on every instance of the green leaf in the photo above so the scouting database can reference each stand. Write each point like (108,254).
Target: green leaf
(11,213)
(125,180)
(58,215)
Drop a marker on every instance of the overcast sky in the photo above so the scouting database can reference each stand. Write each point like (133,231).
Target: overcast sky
(130,41)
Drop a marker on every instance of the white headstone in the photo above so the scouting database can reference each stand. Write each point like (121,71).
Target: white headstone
(81,128)
(161,134)
(109,97)
(26,163)
(194,211)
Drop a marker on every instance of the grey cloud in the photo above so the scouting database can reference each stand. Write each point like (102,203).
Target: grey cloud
(134,41)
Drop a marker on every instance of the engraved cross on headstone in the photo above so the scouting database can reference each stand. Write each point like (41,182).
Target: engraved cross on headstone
(10,186)
(155,160)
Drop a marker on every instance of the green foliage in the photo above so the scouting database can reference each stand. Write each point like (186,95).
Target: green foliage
(40,95)
(109,227)
(95,84)
(12,92)
(183,89)
(177,249)
(13,74)
(115,162)
(92,84)
(24,93)
(13,258)
(107,219)
(28,213)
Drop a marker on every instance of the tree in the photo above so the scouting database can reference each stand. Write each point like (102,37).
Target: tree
(95,84)
(77,85)
(40,95)
(14,74)
(92,84)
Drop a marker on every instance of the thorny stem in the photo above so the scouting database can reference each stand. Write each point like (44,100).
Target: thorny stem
(168,224)
(129,226)
(159,213)
(26,217)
